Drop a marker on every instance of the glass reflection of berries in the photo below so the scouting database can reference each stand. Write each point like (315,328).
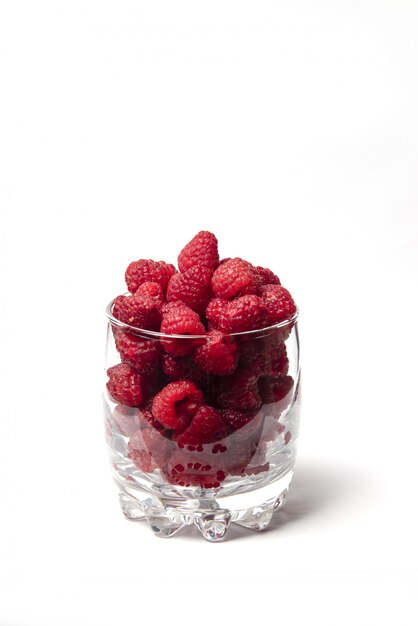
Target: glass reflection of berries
(202,391)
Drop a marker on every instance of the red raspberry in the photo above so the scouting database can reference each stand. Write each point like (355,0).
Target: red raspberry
(139,454)
(278,302)
(175,405)
(193,288)
(279,362)
(242,314)
(151,290)
(237,419)
(240,447)
(238,391)
(263,358)
(266,276)
(168,269)
(205,427)
(234,278)
(142,354)
(145,270)
(150,446)
(181,321)
(126,419)
(188,470)
(201,251)
(183,367)
(218,355)
(138,311)
(168,307)
(125,385)
(275,389)
(147,420)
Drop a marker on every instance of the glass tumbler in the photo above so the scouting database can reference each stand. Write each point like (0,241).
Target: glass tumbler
(188,447)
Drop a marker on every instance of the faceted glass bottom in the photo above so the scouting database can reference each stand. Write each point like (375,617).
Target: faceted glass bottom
(166,516)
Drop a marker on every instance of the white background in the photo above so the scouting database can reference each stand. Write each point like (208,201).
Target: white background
(290,129)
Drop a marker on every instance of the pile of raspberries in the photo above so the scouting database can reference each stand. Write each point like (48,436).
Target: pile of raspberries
(195,401)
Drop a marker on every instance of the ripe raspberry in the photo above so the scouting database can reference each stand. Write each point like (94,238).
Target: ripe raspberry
(193,288)
(234,278)
(278,302)
(145,270)
(279,362)
(147,420)
(275,389)
(168,269)
(138,311)
(175,405)
(142,354)
(237,419)
(201,251)
(150,447)
(238,391)
(139,454)
(183,367)
(125,385)
(205,427)
(266,276)
(218,355)
(151,290)
(242,314)
(171,306)
(187,473)
(240,447)
(263,358)
(181,321)
(126,419)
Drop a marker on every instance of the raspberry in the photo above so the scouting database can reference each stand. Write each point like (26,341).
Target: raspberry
(147,420)
(145,270)
(238,391)
(278,302)
(181,320)
(242,314)
(138,311)
(205,427)
(125,385)
(188,470)
(126,419)
(201,251)
(193,288)
(279,362)
(266,276)
(241,447)
(168,307)
(183,367)
(142,354)
(139,454)
(234,278)
(151,290)
(218,355)
(263,358)
(237,419)
(175,405)
(275,389)
(150,446)
(168,269)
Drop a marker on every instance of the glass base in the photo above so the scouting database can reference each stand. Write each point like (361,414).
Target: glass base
(212,516)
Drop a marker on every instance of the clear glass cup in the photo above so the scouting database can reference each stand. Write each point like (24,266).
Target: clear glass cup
(238,474)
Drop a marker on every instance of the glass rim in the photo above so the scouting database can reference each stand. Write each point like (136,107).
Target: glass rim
(158,335)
